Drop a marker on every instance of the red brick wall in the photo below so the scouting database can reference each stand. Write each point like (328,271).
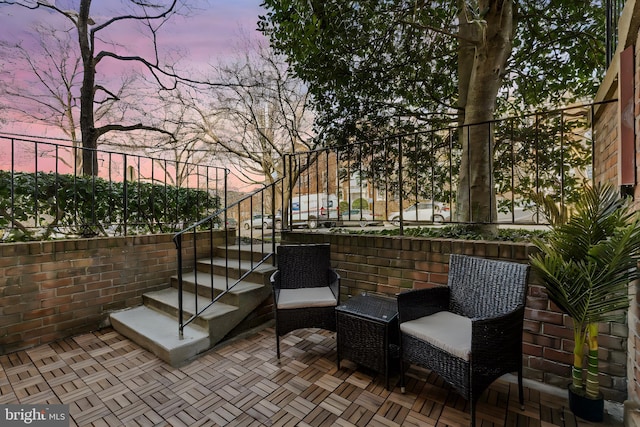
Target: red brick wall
(605,155)
(634,313)
(392,264)
(614,371)
(52,290)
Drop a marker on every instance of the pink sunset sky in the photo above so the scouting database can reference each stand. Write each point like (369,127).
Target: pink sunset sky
(209,30)
(206,34)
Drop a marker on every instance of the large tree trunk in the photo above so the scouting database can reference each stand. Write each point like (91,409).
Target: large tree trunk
(87,92)
(484,49)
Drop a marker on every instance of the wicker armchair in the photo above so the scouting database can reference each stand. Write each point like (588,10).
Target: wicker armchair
(470,332)
(306,290)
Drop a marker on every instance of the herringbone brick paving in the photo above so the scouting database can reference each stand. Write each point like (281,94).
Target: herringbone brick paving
(109,381)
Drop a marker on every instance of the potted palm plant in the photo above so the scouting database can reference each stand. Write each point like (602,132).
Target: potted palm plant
(586,264)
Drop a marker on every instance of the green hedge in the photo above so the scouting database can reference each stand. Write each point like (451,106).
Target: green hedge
(48,205)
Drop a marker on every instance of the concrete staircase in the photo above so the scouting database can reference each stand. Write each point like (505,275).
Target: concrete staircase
(154,325)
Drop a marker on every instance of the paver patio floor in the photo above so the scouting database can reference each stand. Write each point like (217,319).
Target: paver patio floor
(109,381)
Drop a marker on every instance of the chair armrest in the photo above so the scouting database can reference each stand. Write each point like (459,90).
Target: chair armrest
(275,277)
(495,337)
(334,284)
(275,284)
(422,302)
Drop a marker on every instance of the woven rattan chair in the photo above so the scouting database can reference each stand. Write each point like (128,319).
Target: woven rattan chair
(305,289)
(470,332)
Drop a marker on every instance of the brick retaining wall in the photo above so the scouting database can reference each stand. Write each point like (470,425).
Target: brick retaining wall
(51,290)
(388,265)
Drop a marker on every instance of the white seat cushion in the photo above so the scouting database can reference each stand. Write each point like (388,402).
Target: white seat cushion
(306,297)
(447,331)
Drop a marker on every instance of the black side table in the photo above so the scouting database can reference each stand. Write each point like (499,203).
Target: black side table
(367,332)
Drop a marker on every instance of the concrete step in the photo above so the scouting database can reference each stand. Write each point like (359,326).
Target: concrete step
(158,333)
(217,320)
(246,251)
(239,294)
(235,268)
(155,325)
(166,301)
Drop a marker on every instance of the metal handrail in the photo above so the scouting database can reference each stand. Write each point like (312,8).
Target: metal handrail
(210,223)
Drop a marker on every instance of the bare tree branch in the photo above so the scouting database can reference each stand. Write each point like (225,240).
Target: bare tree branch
(97,99)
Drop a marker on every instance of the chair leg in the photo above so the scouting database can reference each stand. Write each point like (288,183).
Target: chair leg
(473,412)
(520,388)
(402,386)
(277,337)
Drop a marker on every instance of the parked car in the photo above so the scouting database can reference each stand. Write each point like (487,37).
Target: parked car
(422,212)
(231,223)
(313,210)
(520,216)
(363,216)
(258,221)
(262,221)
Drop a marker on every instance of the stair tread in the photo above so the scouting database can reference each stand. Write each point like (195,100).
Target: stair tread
(219,282)
(169,296)
(251,247)
(161,329)
(244,265)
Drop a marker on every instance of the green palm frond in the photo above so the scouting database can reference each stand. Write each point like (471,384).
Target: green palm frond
(555,214)
(587,262)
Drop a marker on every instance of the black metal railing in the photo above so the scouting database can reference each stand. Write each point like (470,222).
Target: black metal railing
(613,11)
(393,181)
(44,194)
(390,181)
(414,178)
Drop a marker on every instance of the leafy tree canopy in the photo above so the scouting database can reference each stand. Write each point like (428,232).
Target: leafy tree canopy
(375,64)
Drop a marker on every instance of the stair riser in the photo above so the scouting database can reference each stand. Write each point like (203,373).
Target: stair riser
(244,255)
(234,273)
(205,292)
(160,306)
(172,311)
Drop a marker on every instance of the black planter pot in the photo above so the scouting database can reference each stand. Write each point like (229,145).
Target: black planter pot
(586,408)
